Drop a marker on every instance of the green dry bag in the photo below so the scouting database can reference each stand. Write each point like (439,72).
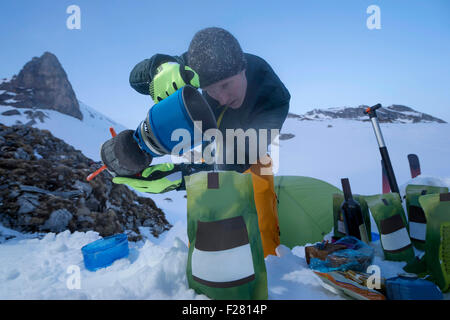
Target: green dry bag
(339,227)
(226,258)
(388,213)
(416,217)
(437,243)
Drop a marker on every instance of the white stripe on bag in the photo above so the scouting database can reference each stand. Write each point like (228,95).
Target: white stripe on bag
(395,240)
(341,227)
(223,266)
(418,230)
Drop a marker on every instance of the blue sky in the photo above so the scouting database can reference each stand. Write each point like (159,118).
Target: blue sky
(322,50)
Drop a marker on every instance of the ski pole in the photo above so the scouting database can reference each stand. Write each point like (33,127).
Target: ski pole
(96,172)
(371,112)
(384,180)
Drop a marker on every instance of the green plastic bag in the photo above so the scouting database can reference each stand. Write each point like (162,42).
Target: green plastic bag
(226,258)
(388,213)
(339,228)
(417,222)
(437,243)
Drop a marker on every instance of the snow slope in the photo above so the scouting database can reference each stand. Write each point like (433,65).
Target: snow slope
(86,135)
(41,266)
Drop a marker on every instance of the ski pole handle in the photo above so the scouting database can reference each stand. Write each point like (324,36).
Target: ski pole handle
(97,172)
(113,132)
(371,111)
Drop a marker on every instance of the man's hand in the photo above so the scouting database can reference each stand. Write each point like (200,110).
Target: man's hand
(159,178)
(170,77)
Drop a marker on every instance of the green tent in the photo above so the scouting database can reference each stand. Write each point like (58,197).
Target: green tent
(305,209)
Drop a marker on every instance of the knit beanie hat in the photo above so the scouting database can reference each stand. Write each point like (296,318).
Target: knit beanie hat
(215,54)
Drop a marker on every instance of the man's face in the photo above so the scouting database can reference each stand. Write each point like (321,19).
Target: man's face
(230,91)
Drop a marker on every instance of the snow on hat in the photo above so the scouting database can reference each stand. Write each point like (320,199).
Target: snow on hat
(215,54)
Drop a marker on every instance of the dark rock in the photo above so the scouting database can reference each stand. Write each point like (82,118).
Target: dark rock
(30,123)
(293,115)
(33,115)
(148,223)
(58,221)
(62,194)
(40,115)
(107,224)
(286,136)
(42,83)
(93,204)
(13,194)
(83,186)
(81,211)
(27,202)
(13,112)
(21,154)
(88,219)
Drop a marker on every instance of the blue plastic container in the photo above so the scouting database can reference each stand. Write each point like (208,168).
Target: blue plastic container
(103,252)
(409,287)
(178,111)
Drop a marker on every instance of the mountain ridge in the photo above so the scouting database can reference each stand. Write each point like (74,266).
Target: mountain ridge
(391,114)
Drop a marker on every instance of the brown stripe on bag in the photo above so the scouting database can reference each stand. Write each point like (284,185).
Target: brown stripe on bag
(221,235)
(213,180)
(228,284)
(391,224)
(444,197)
(416,214)
(400,250)
(445,245)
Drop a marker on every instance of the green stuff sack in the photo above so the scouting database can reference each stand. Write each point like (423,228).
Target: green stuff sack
(416,217)
(388,213)
(339,227)
(226,258)
(437,243)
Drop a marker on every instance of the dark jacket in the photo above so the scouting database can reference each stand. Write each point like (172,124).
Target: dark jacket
(265,106)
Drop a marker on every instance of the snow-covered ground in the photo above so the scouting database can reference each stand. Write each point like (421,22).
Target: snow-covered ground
(86,135)
(43,266)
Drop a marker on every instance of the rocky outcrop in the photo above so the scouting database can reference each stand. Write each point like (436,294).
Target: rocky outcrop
(286,136)
(43,188)
(41,84)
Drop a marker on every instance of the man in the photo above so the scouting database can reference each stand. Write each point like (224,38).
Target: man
(243,92)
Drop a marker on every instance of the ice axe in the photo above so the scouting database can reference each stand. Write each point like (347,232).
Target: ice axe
(96,172)
(386,161)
